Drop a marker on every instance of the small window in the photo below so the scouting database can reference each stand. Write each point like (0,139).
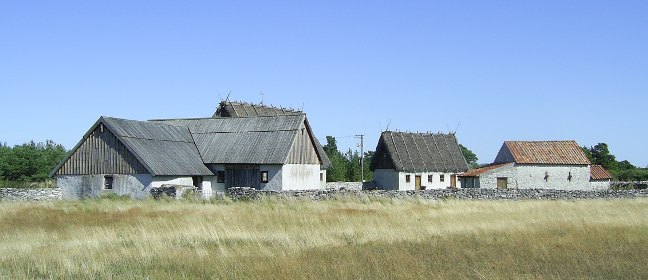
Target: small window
(321,176)
(442,178)
(430,178)
(264,176)
(108,182)
(408,178)
(569,177)
(220,177)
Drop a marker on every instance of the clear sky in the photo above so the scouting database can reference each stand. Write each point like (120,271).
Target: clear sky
(491,70)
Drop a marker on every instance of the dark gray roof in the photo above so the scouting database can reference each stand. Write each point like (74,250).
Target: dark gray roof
(163,149)
(419,152)
(248,140)
(242,109)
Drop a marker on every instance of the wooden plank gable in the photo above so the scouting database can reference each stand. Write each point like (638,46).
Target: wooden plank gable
(101,152)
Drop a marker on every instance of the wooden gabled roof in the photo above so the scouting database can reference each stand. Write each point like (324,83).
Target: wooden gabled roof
(542,152)
(418,152)
(162,149)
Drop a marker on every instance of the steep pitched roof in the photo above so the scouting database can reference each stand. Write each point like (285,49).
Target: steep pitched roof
(418,152)
(162,149)
(542,152)
(242,109)
(248,140)
(597,172)
(479,171)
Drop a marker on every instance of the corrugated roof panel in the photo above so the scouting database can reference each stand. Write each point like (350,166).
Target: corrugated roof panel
(547,152)
(148,130)
(249,147)
(168,157)
(479,171)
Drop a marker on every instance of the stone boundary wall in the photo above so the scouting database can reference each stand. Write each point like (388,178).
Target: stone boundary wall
(30,194)
(464,194)
(316,195)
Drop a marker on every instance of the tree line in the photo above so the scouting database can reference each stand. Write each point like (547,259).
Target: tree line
(620,170)
(29,162)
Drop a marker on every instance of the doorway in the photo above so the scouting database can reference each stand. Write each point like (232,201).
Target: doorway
(502,183)
(417,182)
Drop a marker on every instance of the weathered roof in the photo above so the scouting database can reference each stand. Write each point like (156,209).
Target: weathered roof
(479,171)
(247,140)
(162,149)
(242,109)
(597,172)
(542,152)
(419,152)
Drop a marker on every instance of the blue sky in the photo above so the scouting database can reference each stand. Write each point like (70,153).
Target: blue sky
(491,70)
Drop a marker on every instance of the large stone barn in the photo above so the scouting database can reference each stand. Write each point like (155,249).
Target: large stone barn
(534,165)
(130,157)
(416,161)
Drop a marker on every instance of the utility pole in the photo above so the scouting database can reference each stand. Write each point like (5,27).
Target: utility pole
(361,136)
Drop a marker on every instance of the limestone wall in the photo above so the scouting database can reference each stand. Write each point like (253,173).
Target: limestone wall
(30,194)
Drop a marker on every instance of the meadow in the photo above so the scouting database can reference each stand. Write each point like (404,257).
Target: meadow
(346,238)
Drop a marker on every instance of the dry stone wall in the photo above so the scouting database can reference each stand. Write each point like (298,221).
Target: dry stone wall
(471,194)
(30,194)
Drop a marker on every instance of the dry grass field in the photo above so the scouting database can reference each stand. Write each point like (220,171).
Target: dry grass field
(346,238)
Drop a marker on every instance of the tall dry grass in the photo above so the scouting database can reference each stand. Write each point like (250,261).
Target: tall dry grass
(345,238)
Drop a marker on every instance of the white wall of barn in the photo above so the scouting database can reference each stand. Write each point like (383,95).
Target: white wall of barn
(389,179)
(137,186)
(559,177)
(301,177)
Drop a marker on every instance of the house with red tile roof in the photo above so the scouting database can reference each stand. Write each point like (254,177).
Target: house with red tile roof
(538,165)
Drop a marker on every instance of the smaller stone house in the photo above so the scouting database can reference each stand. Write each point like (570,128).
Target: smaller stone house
(534,165)
(416,161)
(600,178)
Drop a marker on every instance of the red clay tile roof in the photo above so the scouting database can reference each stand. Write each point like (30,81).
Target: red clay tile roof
(480,171)
(547,152)
(597,172)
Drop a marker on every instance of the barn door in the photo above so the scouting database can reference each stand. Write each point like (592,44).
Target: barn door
(242,176)
(501,183)
(417,182)
(453,181)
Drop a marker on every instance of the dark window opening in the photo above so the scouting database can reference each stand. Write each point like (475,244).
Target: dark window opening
(108,182)
(321,177)
(408,178)
(197,182)
(442,178)
(264,176)
(220,177)
(430,178)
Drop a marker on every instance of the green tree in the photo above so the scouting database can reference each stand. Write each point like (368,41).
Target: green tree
(338,169)
(4,159)
(588,153)
(30,162)
(601,155)
(471,158)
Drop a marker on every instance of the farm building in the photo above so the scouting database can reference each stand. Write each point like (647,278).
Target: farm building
(534,165)
(415,161)
(130,157)
(599,178)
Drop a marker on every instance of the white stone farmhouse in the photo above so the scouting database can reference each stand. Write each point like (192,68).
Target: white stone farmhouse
(416,161)
(127,157)
(535,165)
